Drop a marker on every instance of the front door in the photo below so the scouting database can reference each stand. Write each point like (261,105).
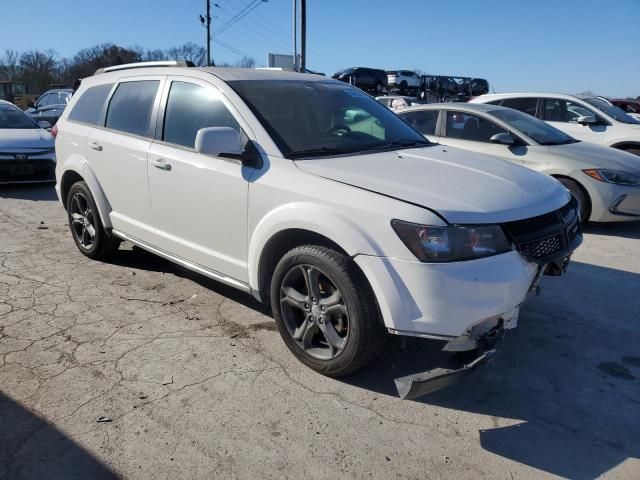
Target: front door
(563,115)
(473,132)
(199,202)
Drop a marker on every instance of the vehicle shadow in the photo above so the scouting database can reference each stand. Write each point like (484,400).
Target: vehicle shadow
(617,229)
(564,389)
(33,449)
(139,258)
(29,191)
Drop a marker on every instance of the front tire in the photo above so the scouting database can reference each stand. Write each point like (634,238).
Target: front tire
(85,224)
(325,310)
(584,204)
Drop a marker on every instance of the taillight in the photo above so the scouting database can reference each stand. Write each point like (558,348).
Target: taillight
(54,131)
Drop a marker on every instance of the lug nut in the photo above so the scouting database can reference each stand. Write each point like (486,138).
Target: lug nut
(306,305)
(314,299)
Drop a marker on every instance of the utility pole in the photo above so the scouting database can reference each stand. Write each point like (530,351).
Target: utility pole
(208,33)
(303,35)
(295,35)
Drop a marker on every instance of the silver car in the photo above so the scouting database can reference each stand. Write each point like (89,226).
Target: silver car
(27,151)
(605,181)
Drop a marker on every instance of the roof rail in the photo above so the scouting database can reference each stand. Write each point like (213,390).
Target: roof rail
(128,66)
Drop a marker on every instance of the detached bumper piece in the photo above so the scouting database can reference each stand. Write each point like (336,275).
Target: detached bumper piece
(419,384)
(414,386)
(549,238)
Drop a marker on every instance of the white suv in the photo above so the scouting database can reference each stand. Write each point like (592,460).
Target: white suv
(584,117)
(403,81)
(315,198)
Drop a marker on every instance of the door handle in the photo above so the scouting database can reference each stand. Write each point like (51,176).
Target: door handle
(161,164)
(96,146)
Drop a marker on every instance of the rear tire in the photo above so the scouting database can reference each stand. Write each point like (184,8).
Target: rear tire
(333,326)
(584,204)
(86,226)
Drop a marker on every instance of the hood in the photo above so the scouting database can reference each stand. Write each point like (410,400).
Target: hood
(27,138)
(461,186)
(590,155)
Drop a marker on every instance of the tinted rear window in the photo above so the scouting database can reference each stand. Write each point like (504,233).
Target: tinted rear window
(88,108)
(131,106)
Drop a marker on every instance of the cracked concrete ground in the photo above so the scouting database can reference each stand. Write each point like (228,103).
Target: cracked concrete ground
(190,380)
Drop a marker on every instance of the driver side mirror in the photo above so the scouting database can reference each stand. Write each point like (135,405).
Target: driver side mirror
(586,120)
(217,141)
(503,138)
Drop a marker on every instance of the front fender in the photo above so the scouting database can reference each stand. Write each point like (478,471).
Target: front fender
(78,164)
(321,219)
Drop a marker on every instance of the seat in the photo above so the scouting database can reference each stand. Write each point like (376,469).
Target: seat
(470,130)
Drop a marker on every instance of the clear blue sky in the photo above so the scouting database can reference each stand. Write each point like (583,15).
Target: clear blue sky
(550,45)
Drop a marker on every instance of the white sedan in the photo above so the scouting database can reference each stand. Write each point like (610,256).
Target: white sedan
(605,181)
(26,148)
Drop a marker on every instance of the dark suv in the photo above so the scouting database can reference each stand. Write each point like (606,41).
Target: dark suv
(367,79)
(50,105)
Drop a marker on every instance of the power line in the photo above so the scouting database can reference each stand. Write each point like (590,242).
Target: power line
(239,16)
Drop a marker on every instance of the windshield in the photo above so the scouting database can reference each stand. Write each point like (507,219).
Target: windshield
(611,110)
(540,131)
(307,119)
(11,117)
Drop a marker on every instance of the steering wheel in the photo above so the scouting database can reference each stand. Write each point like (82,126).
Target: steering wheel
(340,127)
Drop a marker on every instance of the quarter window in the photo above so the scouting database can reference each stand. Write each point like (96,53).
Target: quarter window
(525,105)
(466,126)
(558,110)
(88,108)
(131,106)
(424,121)
(191,107)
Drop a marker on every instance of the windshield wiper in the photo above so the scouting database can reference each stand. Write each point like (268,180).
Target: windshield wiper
(322,151)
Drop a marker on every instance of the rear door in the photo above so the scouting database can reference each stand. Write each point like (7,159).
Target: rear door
(563,115)
(117,151)
(199,201)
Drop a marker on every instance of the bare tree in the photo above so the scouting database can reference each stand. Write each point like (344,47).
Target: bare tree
(189,51)
(10,64)
(246,62)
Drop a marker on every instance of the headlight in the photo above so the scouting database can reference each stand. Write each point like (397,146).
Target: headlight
(451,244)
(613,176)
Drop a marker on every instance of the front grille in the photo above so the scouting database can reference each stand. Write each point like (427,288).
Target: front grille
(547,237)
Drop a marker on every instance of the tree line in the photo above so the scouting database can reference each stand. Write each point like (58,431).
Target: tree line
(42,68)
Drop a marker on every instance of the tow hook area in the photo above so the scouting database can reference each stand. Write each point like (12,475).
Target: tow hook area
(557,267)
(419,384)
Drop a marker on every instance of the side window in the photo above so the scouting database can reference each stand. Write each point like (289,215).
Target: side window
(466,126)
(424,121)
(131,106)
(44,100)
(558,110)
(525,105)
(88,108)
(191,107)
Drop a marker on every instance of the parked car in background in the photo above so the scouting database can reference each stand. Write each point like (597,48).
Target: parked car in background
(404,81)
(26,149)
(346,230)
(604,181)
(630,107)
(443,88)
(50,105)
(397,102)
(370,80)
(584,117)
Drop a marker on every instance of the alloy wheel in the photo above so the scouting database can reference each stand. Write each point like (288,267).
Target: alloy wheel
(314,312)
(82,221)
